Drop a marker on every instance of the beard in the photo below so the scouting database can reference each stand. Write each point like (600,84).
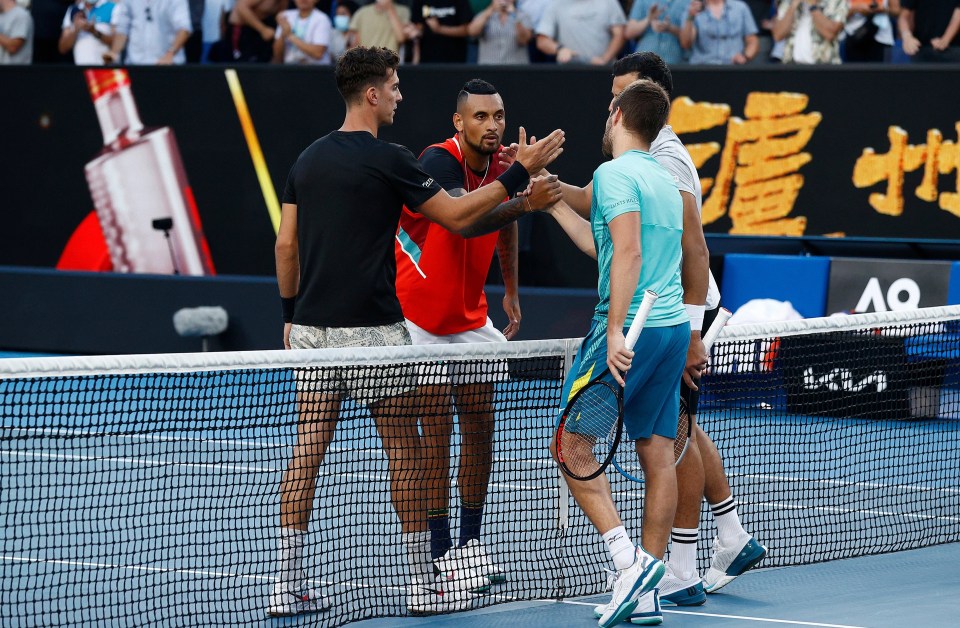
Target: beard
(480,148)
(606,145)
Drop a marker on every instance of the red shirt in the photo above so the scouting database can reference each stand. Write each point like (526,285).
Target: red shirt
(441,275)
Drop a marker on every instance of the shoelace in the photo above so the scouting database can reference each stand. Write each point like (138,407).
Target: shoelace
(612,577)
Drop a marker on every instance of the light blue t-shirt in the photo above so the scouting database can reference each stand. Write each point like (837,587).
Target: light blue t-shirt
(635,182)
(718,40)
(664,44)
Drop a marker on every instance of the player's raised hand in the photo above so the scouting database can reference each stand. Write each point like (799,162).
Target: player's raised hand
(538,155)
(508,155)
(543,192)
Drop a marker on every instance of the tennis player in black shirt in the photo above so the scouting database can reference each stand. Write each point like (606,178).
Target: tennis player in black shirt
(336,271)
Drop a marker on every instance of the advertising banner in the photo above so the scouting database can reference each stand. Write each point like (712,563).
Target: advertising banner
(179,170)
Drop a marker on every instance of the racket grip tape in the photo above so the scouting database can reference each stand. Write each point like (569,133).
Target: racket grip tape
(723,315)
(649,298)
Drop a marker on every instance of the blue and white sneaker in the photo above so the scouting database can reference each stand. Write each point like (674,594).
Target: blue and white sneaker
(647,612)
(730,562)
(629,584)
(677,591)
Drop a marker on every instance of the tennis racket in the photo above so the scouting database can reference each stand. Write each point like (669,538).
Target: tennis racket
(684,426)
(590,426)
(631,469)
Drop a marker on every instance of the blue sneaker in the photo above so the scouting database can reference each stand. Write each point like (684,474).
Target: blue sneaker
(629,584)
(730,562)
(677,591)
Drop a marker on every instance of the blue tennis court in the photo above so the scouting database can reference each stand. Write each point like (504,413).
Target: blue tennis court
(916,587)
(136,498)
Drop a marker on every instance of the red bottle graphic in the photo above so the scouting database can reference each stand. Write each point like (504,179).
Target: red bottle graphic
(139,187)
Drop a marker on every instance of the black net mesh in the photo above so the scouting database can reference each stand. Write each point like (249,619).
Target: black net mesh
(154,497)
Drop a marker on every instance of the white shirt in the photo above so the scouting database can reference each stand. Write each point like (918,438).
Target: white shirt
(313,29)
(151,26)
(803,38)
(670,153)
(88,50)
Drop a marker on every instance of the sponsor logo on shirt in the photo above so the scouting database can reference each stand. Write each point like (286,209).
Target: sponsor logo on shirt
(428,183)
(439,12)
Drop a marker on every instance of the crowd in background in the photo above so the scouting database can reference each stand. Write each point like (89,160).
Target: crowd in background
(721,32)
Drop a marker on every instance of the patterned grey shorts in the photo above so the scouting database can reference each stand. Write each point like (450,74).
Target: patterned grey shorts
(365,384)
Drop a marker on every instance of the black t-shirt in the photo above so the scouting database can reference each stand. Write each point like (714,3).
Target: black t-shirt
(444,167)
(931,18)
(349,189)
(440,48)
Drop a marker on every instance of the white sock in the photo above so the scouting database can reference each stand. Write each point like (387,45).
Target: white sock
(417,545)
(620,547)
(683,552)
(290,558)
(729,528)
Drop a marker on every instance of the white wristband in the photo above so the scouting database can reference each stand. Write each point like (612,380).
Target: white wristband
(695,312)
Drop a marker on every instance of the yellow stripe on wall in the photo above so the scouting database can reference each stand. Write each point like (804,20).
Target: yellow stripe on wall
(256,153)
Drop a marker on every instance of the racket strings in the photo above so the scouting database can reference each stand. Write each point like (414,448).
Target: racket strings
(590,430)
(683,435)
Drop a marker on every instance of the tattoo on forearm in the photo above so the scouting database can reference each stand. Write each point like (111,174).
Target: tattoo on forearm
(502,214)
(507,252)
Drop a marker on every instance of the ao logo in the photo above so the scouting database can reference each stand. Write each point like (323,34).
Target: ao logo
(838,380)
(873,296)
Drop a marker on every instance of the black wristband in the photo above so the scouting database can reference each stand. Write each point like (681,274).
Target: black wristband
(515,179)
(287,304)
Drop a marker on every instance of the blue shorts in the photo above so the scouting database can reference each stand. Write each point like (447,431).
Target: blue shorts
(650,401)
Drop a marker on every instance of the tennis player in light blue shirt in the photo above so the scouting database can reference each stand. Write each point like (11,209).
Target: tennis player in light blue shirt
(635,229)
(635,182)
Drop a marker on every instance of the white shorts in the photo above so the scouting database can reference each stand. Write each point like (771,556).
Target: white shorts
(366,384)
(460,372)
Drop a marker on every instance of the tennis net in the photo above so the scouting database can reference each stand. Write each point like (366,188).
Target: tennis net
(144,489)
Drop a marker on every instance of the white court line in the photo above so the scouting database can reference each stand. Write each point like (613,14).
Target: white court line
(846,511)
(384,478)
(138,461)
(254,444)
(147,462)
(788,478)
(350,584)
(743,617)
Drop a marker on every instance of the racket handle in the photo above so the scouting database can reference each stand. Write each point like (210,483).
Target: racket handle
(715,328)
(649,298)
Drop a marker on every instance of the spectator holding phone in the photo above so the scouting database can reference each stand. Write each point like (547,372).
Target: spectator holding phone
(810,30)
(88,30)
(504,33)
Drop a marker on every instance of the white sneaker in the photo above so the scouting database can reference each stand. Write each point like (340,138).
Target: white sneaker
(471,557)
(629,584)
(647,612)
(284,602)
(677,591)
(730,562)
(463,580)
(428,599)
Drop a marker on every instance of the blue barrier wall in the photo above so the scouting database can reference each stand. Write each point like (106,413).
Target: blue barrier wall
(800,280)
(953,293)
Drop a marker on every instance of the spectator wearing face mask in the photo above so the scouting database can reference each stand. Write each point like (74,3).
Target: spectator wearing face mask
(339,38)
